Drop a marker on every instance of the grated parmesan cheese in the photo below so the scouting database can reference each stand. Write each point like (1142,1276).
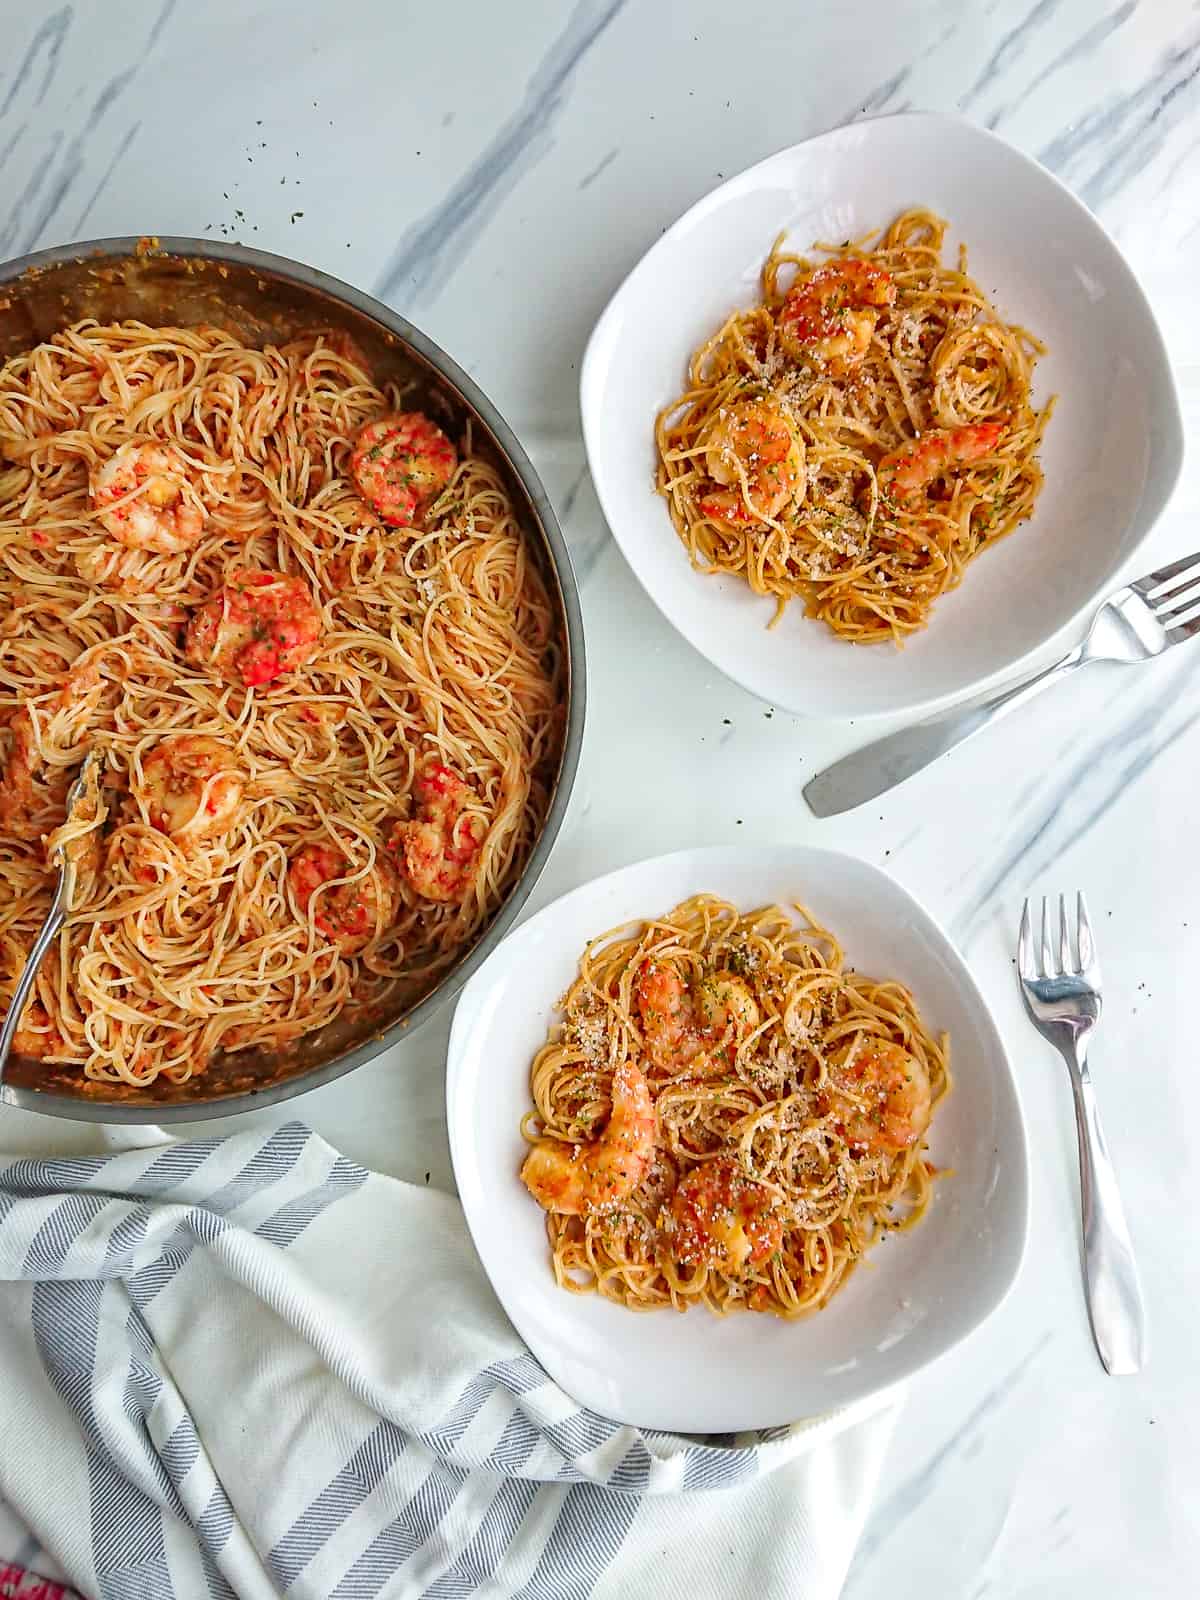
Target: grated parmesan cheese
(589,1035)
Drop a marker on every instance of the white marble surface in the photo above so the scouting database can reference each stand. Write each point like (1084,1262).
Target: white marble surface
(492,171)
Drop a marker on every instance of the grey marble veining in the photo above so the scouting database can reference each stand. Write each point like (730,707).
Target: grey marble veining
(422,259)
(904,1501)
(496,170)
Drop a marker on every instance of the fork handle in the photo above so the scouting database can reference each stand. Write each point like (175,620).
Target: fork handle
(51,928)
(1114,1293)
(878,767)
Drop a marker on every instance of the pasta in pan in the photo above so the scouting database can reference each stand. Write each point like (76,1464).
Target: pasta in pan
(314,648)
(858,438)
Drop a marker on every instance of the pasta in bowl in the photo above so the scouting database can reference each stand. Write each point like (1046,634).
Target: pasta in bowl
(695,316)
(745,1174)
(726,1116)
(860,436)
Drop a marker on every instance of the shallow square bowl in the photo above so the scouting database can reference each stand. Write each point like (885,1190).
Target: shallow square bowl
(1112,452)
(919,1293)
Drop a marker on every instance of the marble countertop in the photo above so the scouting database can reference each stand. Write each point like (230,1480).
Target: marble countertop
(493,173)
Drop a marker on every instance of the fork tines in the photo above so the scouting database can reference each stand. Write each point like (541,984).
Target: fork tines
(1173,593)
(1045,962)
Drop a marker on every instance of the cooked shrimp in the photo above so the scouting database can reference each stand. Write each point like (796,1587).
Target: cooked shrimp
(752,450)
(665,1009)
(192,786)
(350,914)
(400,463)
(828,316)
(905,472)
(723,1001)
(147,498)
(259,625)
(698,1029)
(579,1179)
(37,1037)
(439,846)
(886,1103)
(721,1218)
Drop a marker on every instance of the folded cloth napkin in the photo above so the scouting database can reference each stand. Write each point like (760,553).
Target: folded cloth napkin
(247,1366)
(19,1552)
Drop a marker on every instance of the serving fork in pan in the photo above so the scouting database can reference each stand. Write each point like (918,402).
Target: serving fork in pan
(1060,981)
(82,797)
(1134,624)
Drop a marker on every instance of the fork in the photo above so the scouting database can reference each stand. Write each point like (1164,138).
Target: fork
(83,791)
(1062,996)
(1134,624)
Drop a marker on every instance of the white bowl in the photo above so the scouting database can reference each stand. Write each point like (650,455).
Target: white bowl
(919,1294)
(1112,453)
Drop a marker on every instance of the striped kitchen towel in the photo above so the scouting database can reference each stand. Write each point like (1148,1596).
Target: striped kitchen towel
(247,1366)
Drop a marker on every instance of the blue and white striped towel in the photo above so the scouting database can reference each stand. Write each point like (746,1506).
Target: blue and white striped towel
(248,1366)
